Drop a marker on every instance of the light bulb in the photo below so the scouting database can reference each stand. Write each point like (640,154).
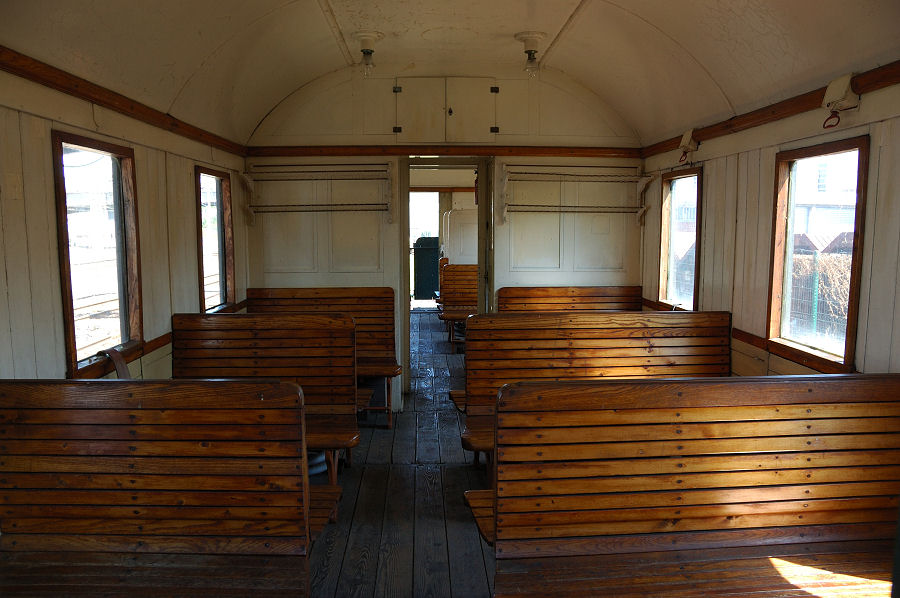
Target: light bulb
(531,64)
(368,65)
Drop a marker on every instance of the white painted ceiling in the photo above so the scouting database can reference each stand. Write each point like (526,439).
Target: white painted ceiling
(663,65)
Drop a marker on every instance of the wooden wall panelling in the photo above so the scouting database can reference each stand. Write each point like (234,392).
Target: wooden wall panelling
(751,241)
(15,238)
(747,360)
(10,190)
(183,275)
(150,169)
(651,235)
(762,248)
(882,343)
(740,243)
(728,234)
(239,202)
(43,255)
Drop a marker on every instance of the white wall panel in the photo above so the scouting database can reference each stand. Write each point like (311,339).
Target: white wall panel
(43,255)
(184,276)
(16,341)
(882,320)
(15,238)
(153,228)
(651,233)
(563,247)
(355,242)
(462,238)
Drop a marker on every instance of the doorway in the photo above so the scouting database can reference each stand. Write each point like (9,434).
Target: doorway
(464,226)
(424,250)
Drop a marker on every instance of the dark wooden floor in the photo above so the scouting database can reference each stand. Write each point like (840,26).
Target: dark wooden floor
(403,528)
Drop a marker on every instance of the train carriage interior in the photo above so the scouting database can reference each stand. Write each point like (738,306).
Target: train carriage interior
(390,298)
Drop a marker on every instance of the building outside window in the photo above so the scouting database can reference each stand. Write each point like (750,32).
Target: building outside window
(818,219)
(680,228)
(215,238)
(97,229)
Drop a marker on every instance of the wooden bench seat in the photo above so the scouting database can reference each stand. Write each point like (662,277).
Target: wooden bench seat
(372,309)
(315,351)
(776,486)
(506,347)
(481,503)
(624,298)
(155,488)
(459,295)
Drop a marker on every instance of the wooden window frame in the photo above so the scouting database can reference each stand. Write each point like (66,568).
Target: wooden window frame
(227,260)
(818,360)
(95,366)
(665,210)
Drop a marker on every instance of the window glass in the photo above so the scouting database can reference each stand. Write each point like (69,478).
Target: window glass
(679,236)
(818,257)
(93,206)
(212,235)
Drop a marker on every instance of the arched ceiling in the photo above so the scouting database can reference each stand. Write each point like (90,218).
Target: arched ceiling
(664,66)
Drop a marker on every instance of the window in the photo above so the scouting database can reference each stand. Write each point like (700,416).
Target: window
(215,238)
(680,238)
(816,257)
(98,249)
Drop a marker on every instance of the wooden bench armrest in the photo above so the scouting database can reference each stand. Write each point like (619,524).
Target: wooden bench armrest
(323,507)
(363,397)
(459,399)
(482,504)
(377,367)
(478,434)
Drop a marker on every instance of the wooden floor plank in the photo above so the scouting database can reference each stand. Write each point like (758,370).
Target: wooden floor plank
(448,432)
(404,451)
(382,444)
(428,447)
(359,568)
(422,543)
(327,554)
(431,575)
(467,573)
(395,562)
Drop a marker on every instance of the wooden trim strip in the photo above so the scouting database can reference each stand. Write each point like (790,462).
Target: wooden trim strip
(869,81)
(810,360)
(157,343)
(427,189)
(659,305)
(749,338)
(441,150)
(44,74)
(49,76)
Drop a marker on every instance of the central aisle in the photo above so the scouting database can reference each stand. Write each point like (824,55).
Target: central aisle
(403,528)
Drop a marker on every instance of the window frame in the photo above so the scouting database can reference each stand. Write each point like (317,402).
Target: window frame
(95,366)
(809,356)
(665,211)
(226,261)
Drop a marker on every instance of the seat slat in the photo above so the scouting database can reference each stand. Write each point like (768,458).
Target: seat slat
(597,480)
(372,309)
(139,488)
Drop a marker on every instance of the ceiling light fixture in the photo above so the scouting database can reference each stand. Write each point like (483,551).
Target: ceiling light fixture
(367,41)
(530,40)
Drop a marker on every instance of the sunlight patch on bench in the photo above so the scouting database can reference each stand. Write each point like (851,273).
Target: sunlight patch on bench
(808,578)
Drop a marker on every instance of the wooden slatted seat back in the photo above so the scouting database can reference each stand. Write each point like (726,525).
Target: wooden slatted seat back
(133,466)
(372,309)
(315,351)
(625,298)
(507,347)
(588,468)
(459,286)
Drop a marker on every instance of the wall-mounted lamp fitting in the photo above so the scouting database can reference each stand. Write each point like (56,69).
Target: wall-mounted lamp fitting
(367,41)
(530,40)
